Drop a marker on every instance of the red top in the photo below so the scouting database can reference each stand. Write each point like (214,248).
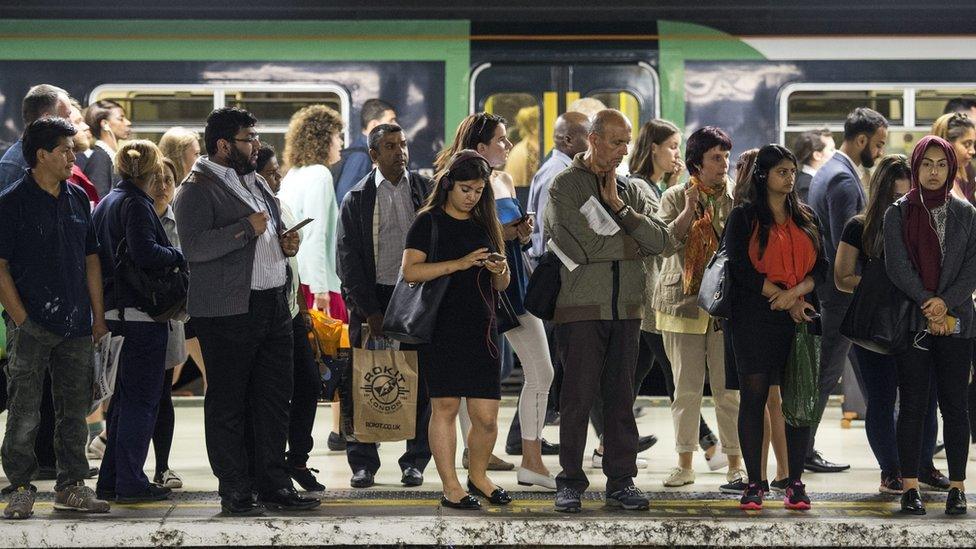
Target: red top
(79,178)
(789,256)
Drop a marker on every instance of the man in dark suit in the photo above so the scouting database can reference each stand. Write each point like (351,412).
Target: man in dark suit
(233,238)
(837,195)
(375,217)
(812,149)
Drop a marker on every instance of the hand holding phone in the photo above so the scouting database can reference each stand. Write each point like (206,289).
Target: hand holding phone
(298,226)
(494,256)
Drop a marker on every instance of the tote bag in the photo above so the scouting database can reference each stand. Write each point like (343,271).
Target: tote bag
(412,312)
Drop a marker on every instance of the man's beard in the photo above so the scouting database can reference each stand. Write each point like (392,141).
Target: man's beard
(867,159)
(240,162)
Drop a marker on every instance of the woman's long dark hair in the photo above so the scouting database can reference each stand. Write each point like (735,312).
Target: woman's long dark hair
(758,195)
(881,192)
(476,129)
(484,213)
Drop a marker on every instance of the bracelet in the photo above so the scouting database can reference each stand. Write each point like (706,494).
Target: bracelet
(621,210)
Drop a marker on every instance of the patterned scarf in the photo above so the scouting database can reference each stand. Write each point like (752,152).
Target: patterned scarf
(702,239)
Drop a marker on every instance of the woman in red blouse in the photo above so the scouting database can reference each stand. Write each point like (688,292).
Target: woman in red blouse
(775,259)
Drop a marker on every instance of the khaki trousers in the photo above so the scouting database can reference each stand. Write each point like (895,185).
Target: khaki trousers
(690,355)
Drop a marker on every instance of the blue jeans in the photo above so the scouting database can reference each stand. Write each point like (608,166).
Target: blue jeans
(880,375)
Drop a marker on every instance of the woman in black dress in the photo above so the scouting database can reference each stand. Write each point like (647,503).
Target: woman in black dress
(462,358)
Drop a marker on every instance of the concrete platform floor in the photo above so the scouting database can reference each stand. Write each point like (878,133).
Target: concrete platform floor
(848,511)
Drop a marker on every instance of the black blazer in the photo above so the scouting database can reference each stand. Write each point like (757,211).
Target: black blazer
(100,171)
(803,180)
(354,241)
(748,303)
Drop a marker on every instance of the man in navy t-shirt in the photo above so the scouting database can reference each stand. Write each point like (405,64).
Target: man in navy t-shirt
(51,291)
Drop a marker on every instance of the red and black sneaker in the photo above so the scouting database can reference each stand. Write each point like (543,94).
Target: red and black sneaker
(796,497)
(752,497)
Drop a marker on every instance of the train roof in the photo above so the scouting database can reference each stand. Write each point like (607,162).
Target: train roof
(574,17)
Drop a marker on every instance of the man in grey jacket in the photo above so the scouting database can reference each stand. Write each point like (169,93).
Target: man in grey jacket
(235,244)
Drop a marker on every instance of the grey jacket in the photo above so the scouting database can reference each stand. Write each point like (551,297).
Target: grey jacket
(218,243)
(958,279)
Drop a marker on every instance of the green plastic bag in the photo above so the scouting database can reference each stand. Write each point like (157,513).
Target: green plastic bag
(801,383)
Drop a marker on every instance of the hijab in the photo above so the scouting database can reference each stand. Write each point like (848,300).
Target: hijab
(918,231)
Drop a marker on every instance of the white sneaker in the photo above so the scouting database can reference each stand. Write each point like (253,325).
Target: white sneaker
(169,479)
(96,448)
(718,459)
(598,461)
(680,477)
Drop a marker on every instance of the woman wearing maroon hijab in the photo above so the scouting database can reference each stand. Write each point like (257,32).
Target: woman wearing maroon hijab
(930,254)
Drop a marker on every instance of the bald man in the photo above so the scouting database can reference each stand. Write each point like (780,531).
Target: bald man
(599,308)
(569,135)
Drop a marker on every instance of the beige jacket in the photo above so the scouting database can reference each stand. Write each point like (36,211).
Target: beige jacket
(669,296)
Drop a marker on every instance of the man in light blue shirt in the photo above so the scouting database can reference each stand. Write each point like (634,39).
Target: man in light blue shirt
(356,162)
(41,100)
(569,134)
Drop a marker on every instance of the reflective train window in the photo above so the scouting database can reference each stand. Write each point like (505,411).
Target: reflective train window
(931,103)
(153,109)
(826,107)
(624,102)
(522,112)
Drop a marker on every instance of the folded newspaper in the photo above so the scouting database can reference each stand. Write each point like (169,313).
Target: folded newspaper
(107,352)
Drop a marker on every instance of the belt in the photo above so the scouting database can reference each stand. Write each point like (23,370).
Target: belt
(269,291)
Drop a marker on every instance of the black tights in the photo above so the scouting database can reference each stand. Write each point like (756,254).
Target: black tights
(754,390)
(165,423)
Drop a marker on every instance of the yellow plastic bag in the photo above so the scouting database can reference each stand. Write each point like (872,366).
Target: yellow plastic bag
(329,332)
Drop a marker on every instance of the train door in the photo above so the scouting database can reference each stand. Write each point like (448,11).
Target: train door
(531,96)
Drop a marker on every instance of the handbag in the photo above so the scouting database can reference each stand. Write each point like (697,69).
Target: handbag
(880,314)
(801,382)
(412,313)
(715,292)
(505,315)
(543,288)
(160,293)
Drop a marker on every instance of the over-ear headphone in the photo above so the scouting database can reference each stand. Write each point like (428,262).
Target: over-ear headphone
(456,160)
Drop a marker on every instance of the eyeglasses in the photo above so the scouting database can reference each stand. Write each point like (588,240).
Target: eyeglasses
(253,138)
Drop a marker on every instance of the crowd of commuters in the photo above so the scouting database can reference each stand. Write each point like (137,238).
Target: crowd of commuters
(798,228)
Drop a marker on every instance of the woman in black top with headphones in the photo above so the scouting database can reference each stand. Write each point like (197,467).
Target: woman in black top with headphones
(462,358)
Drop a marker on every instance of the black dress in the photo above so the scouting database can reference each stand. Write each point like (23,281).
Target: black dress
(461,360)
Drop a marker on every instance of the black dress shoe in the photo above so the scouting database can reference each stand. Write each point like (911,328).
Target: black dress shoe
(362,479)
(817,464)
(412,477)
(933,479)
(644,443)
(956,502)
(305,478)
(287,499)
(241,505)
(498,497)
(467,503)
(336,442)
(154,492)
(548,448)
(911,503)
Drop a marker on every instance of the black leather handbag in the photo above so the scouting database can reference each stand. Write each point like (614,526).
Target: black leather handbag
(161,292)
(412,312)
(505,315)
(715,292)
(880,315)
(543,288)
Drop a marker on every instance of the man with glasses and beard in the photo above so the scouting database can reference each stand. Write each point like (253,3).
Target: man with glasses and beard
(236,246)
(837,195)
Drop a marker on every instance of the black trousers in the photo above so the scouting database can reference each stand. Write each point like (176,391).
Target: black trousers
(305,396)
(363,455)
(833,350)
(162,438)
(949,359)
(249,369)
(598,357)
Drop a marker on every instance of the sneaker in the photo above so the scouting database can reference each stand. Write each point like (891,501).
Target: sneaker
(336,443)
(736,482)
(305,478)
(169,479)
(891,484)
(20,503)
(152,493)
(718,460)
(568,500)
(96,448)
(630,499)
(79,498)
(796,497)
(933,479)
(779,485)
(752,498)
(680,477)
(598,461)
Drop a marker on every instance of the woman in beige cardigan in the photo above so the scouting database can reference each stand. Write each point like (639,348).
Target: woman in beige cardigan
(691,337)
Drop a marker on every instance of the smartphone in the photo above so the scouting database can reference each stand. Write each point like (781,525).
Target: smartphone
(496,257)
(813,316)
(299,225)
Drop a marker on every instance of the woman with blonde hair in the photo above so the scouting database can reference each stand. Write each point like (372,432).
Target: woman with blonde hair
(181,146)
(127,214)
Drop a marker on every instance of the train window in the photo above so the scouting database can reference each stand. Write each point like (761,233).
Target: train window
(930,104)
(624,102)
(831,106)
(522,112)
(157,109)
(275,108)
